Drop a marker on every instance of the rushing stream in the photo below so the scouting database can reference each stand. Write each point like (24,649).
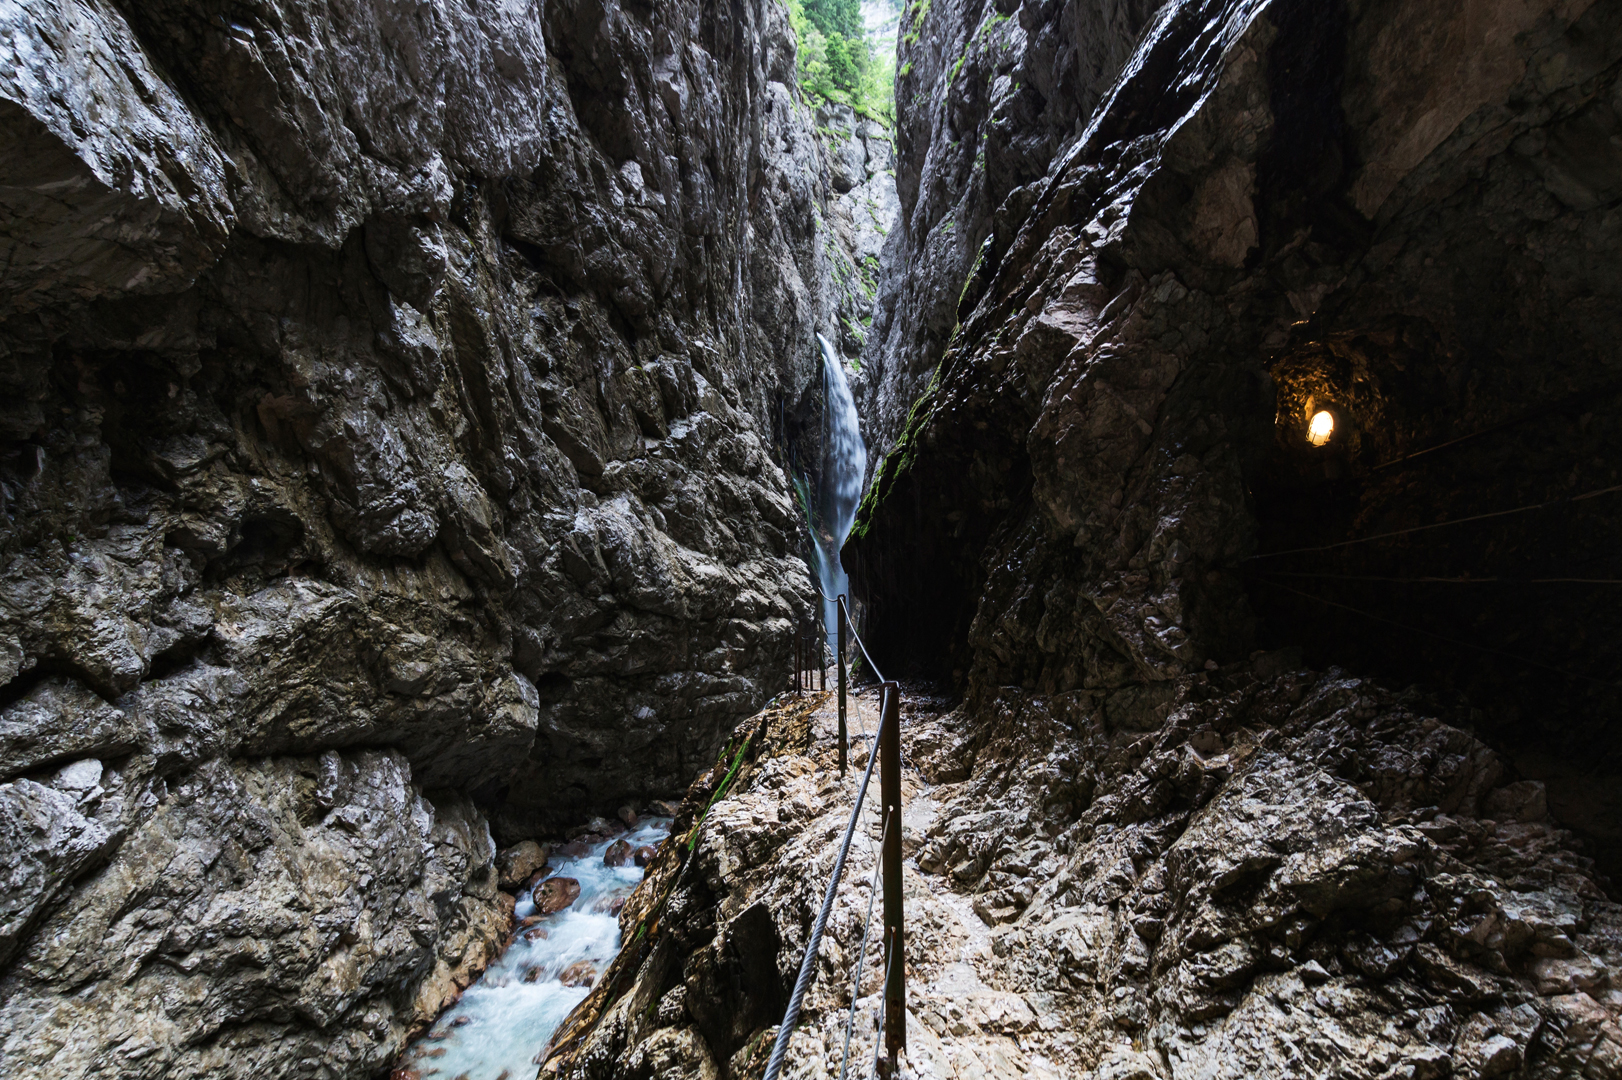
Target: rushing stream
(504,1020)
(844,463)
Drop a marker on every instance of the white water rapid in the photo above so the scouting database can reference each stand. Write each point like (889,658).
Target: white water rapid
(844,461)
(505,1019)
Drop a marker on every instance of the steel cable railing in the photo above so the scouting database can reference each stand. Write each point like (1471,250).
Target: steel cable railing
(791,1015)
(1437,525)
(861,955)
(867,922)
(774,1065)
(1527,660)
(860,644)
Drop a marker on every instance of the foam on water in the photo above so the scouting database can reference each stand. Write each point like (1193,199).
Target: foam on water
(503,1021)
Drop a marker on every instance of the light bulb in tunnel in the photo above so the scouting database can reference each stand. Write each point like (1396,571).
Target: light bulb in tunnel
(1322,426)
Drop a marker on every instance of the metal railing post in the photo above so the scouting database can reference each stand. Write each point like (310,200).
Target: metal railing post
(822,655)
(889,749)
(844,735)
(796,659)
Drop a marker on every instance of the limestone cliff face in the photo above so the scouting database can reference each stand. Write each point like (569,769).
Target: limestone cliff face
(1101,498)
(986,94)
(1271,212)
(391,395)
(1201,830)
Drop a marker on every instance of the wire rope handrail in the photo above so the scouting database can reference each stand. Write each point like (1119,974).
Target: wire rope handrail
(860,644)
(774,1065)
(791,1015)
(861,955)
(1494,580)
(1437,525)
(1444,637)
(1534,413)
(802,983)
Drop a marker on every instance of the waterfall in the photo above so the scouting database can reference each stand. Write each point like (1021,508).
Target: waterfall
(844,461)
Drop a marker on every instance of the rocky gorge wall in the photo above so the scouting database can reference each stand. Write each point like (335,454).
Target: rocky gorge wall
(397,413)
(1317,219)
(1100,499)
(392,453)
(1258,758)
(986,94)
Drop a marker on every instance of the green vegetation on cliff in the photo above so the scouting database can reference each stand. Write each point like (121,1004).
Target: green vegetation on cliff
(843,59)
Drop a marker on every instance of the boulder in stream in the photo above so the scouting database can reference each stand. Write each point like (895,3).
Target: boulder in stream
(519,862)
(627,815)
(596,830)
(618,853)
(612,904)
(644,855)
(579,973)
(555,894)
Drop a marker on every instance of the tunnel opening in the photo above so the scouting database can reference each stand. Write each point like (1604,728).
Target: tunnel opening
(1454,536)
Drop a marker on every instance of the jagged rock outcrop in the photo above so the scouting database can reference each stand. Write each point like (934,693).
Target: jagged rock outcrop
(390,392)
(1201,859)
(1259,871)
(1273,873)
(255,915)
(1275,210)
(861,214)
(986,94)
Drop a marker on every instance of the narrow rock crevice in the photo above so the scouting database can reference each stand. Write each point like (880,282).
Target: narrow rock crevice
(390,466)
(415,443)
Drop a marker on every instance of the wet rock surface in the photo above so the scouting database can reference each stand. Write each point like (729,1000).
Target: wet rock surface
(1098,472)
(555,894)
(397,391)
(517,864)
(279,908)
(1286,873)
(579,973)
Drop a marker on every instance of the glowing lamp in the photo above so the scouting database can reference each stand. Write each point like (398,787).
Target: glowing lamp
(1322,426)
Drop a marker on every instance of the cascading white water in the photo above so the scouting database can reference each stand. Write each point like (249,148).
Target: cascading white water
(844,461)
(494,1031)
